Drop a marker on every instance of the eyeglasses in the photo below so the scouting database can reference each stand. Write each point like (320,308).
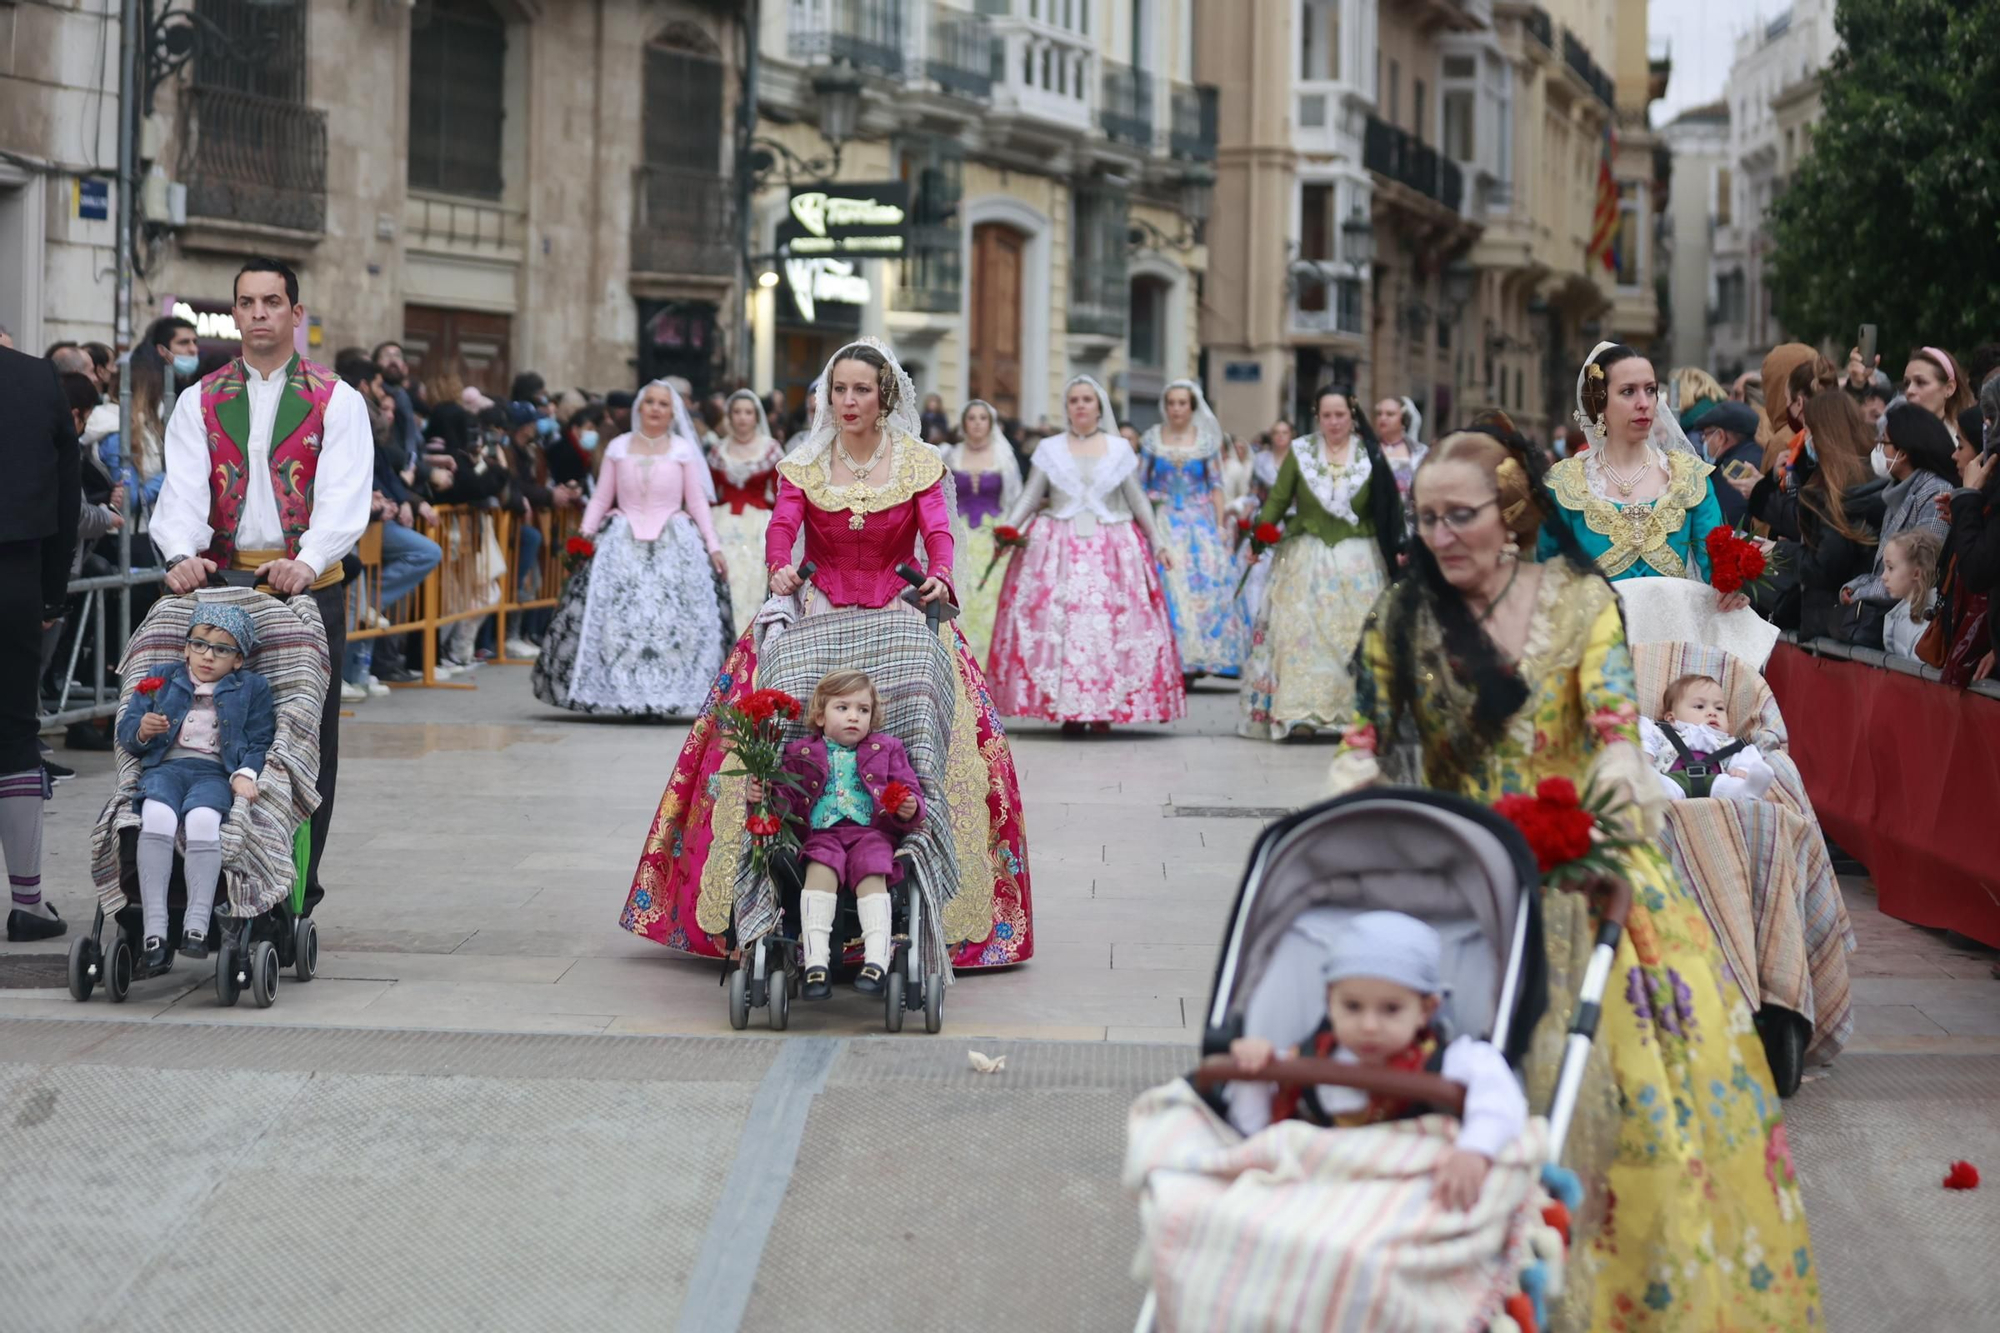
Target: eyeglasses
(1457,520)
(206,649)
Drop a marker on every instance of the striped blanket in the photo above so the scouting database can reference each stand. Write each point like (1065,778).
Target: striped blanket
(257,865)
(1790,931)
(1301,1228)
(912,669)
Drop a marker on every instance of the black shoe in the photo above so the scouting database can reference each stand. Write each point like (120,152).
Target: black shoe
(397,675)
(155,958)
(23,926)
(57,772)
(817,986)
(869,979)
(194,945)
(87,736)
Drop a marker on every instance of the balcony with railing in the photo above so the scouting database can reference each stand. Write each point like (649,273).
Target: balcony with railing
(867,34)
(959,52)
(1125,108)
(683,222)
(1321,305)
(1044,61)
(1193,135)
(251,159)
(1099,301)
(1534,18)
(1577,56)
(930,281)
(1395,153)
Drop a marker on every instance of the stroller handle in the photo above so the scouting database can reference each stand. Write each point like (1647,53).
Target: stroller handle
(940,610)
(1612,895)
(1406,1084)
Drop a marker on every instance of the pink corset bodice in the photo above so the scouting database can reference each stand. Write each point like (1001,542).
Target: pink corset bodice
(857,567)
(650,490)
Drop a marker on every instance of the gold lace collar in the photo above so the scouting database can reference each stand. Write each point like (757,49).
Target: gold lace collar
(1640,531)
(914,468)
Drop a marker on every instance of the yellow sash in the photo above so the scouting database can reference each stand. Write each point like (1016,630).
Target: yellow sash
(250,560)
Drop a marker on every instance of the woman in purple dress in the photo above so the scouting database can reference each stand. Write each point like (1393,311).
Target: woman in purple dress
(988,481)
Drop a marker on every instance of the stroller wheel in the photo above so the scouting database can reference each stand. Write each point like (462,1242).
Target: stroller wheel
(227,985)
(892,1000)
(305,949)
(933,1003)
(780,1006)
(264,974)
(118,975)
(739,998)
(84,967)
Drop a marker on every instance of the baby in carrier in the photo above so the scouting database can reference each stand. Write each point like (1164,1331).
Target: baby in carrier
(1383,991)
(1693,751)
(200,730)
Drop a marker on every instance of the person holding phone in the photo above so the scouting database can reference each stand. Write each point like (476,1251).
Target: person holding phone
(1729,438)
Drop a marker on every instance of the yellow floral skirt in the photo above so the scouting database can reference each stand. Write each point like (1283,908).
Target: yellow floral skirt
(1692,1207)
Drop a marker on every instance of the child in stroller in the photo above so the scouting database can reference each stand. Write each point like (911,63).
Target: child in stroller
(1384,989)
(200,735)
(1693,751)
(858,796)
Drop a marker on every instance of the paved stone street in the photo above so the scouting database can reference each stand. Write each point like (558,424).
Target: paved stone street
(494,1109)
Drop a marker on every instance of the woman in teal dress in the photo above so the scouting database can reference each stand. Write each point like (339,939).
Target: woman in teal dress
(1183,479)
(1639,499)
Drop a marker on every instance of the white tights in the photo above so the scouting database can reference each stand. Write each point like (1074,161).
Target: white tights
(201,868)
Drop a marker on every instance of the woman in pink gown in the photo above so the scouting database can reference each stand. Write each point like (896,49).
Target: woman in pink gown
(642,627)
(859,497)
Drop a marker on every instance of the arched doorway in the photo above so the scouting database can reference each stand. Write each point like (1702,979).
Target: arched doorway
(998,261)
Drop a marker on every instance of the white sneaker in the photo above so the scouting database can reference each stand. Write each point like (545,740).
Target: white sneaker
(353,694)
(377,688)
(522,648)
(372,619)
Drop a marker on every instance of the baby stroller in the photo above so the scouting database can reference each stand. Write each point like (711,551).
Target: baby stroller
(1469,873)
(913,670)
(259,925)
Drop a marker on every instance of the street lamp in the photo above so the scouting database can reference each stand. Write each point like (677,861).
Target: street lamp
(838,90)
(1458,280)
(1197,202)
(1357,237)
(768,278)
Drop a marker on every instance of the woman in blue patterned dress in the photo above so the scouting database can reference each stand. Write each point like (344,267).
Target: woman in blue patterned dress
(1183,479)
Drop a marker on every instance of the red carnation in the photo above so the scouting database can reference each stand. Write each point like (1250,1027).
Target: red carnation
(151,685)
(894,795)
(1558,791)
(762,826)
(1267,534)
(1007,534)
(763,705)
(1558,833)
(580,546)
(1243,525)
(1962,1176)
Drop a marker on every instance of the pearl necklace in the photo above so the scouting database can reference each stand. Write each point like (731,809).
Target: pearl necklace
(860,472)
(1626,485)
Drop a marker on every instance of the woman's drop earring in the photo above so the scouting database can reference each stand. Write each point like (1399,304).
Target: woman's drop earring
(881,421)
(1511,551)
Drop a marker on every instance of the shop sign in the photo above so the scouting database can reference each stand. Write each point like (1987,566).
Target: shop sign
(212,320)
(821,281)
(1242,372)
(842,219)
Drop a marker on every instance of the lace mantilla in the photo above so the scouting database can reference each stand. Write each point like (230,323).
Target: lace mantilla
(1643,530)
(1334,491)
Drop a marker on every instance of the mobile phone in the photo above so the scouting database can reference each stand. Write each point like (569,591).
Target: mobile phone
(1740,469)
(1868,348)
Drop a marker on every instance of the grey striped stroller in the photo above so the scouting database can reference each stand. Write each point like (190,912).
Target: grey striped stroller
(1215,1212)
(259,926)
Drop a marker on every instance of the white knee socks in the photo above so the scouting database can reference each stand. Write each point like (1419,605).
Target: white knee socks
(203,868)
(816,913)
(21,838)
(875,916)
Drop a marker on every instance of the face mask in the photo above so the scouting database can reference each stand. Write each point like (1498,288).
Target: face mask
(1880,462)
(186,364)
(587,441)
(546,427)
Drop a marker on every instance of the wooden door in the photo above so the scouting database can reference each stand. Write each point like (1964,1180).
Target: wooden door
(470,344)
(997,254)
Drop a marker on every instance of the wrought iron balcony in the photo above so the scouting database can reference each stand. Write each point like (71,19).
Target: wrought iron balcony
(254,159)
(1577,56)
(1194,129)
(683,222)
(960,58)
(867,34)
(930,281)
(1126,108)
(1541,26)
(1100,301)
(1395,153)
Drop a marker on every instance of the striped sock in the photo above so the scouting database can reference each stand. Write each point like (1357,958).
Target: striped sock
(21,797)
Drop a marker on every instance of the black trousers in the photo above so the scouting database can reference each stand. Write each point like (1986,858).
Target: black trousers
(332,603)
(20,655)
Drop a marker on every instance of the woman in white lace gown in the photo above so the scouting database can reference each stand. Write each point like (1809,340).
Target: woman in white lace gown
(744,462)
(641,628)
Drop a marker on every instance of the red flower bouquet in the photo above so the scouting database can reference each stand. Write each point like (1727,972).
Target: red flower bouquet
(151,685)
(753,729)
(1568,832)
(1005,538)
(1734,562)
(893,797)
(1262,538)
(577,551)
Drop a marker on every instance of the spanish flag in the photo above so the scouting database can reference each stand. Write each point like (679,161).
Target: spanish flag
(1604,226)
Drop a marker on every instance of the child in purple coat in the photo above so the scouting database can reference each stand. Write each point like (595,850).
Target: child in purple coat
(860,798)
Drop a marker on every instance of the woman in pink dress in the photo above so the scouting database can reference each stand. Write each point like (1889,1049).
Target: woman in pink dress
(1082,636)
(860,496)
(641,628)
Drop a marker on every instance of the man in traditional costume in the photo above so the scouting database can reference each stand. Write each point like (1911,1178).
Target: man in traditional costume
(269,466)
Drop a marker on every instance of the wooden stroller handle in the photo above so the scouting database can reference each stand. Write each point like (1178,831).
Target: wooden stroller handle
(1407,1084)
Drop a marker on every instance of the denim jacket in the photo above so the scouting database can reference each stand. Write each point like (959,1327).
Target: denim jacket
(246,719)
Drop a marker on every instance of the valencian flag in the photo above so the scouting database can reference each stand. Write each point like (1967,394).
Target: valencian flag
(1604,225)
